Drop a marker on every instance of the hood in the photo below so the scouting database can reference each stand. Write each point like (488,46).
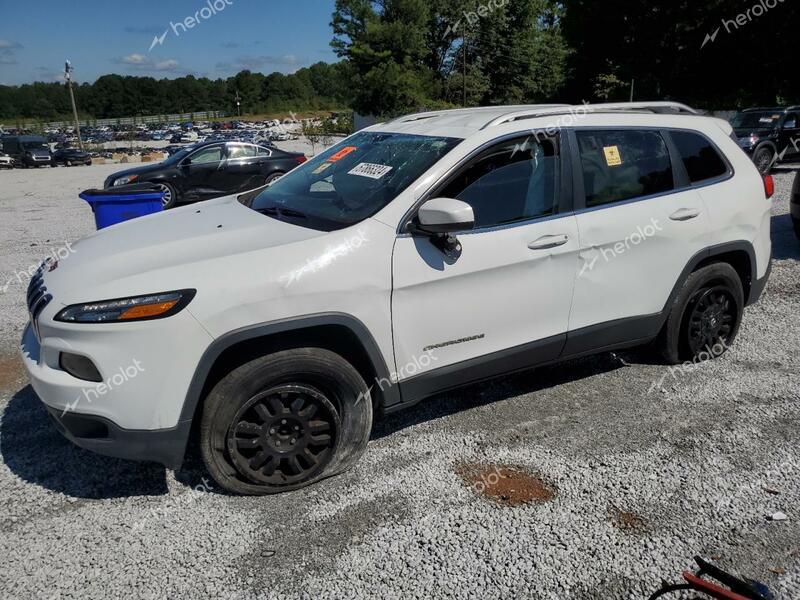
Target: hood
(38,151)
(170,249)
(151,168)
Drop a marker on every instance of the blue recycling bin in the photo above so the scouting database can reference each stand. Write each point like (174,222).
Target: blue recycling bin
(123,203)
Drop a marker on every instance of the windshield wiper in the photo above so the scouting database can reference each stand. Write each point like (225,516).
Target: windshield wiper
(274,210)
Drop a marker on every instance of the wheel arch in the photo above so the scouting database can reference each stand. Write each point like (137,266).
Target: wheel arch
(338,332)
(739,254)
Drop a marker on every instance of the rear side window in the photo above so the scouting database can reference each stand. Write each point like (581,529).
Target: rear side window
(700,158)
(620,165)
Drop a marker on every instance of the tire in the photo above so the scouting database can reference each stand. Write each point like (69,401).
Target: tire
(273,177)
(251,417)
(170,195)
(69,163)
(796,225)
(763,159)
(705,317)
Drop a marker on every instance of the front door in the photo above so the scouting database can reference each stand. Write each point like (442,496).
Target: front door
(504,302)
(203,176)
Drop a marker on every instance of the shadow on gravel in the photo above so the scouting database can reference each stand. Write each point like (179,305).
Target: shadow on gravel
(505,387)
(784,241)
(36,452)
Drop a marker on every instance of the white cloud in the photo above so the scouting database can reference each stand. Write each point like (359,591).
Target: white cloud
(134,59)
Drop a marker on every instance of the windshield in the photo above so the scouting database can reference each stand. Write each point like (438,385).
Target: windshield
(352,180)
(755,120)
(32,145)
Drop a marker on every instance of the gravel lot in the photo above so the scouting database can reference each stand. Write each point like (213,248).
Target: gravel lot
(695,458)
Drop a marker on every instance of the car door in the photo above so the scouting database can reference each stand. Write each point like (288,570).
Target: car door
(242,170)
(201,173)
(503,302)
(789,137)
(639,225)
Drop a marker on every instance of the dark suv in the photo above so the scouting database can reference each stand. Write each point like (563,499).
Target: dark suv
(769,135)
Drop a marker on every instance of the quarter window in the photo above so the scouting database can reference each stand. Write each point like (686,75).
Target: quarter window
(699,157)
(620,165)
(513,181)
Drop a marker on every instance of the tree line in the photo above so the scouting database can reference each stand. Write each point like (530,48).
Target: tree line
(398,56)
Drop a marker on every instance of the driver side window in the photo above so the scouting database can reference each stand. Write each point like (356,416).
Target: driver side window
(516,180)
(211,154)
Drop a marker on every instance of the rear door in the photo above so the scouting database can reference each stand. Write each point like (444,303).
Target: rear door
(639,224)
(243,168)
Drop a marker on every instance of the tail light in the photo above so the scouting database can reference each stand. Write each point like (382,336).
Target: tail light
(300,159)
(769,186)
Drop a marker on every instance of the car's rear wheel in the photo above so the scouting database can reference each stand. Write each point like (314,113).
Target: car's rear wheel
(170,196)
(273,178)
(763,159)
(705,317)
(284,421)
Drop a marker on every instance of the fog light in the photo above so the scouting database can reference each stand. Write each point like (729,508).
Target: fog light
(79,366)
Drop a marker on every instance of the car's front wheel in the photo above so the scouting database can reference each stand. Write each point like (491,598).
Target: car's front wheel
(285,420)
(169,196)
(705,317)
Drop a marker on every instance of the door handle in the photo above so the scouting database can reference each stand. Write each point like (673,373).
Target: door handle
(549,241)
(684,214)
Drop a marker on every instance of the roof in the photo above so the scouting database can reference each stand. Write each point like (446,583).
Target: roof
(463,122)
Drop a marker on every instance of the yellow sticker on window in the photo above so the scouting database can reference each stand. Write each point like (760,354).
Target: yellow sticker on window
(613,159)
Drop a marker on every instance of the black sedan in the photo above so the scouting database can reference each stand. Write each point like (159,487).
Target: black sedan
(211,169)
(71,156)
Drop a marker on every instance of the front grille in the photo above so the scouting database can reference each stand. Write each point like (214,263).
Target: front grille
(38,297)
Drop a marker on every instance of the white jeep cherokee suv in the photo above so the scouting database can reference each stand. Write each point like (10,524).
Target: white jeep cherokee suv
(415,256)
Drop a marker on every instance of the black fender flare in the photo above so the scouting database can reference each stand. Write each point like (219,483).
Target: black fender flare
(391,395)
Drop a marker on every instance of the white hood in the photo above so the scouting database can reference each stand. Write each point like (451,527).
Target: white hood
(168,246)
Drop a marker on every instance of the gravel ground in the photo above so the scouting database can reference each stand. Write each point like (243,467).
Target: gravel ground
(698,458)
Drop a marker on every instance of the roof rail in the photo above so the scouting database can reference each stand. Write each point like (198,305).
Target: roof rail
(454,111)
(653,107)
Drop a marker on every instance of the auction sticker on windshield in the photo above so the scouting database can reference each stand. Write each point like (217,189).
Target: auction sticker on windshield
(370,170)
(342,153)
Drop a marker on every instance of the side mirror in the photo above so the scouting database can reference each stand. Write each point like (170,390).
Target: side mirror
(444,215)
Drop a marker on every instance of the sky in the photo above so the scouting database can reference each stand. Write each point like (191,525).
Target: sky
(153,37)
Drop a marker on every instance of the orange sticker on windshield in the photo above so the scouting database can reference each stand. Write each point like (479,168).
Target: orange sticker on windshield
(342,153)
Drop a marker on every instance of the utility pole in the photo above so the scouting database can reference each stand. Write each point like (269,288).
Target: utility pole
(633,81)
(464,48)
(238,104)
(68,77)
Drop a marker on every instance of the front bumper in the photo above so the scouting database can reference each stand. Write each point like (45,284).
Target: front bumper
(97,434)
(146,368)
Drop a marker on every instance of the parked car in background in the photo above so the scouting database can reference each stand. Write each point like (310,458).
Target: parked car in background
(211,169)
(794,206)
(71,156)
(6,162)
(27,150)
(769,135)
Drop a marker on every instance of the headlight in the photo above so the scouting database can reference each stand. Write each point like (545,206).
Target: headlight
(125,180)
(136,308)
